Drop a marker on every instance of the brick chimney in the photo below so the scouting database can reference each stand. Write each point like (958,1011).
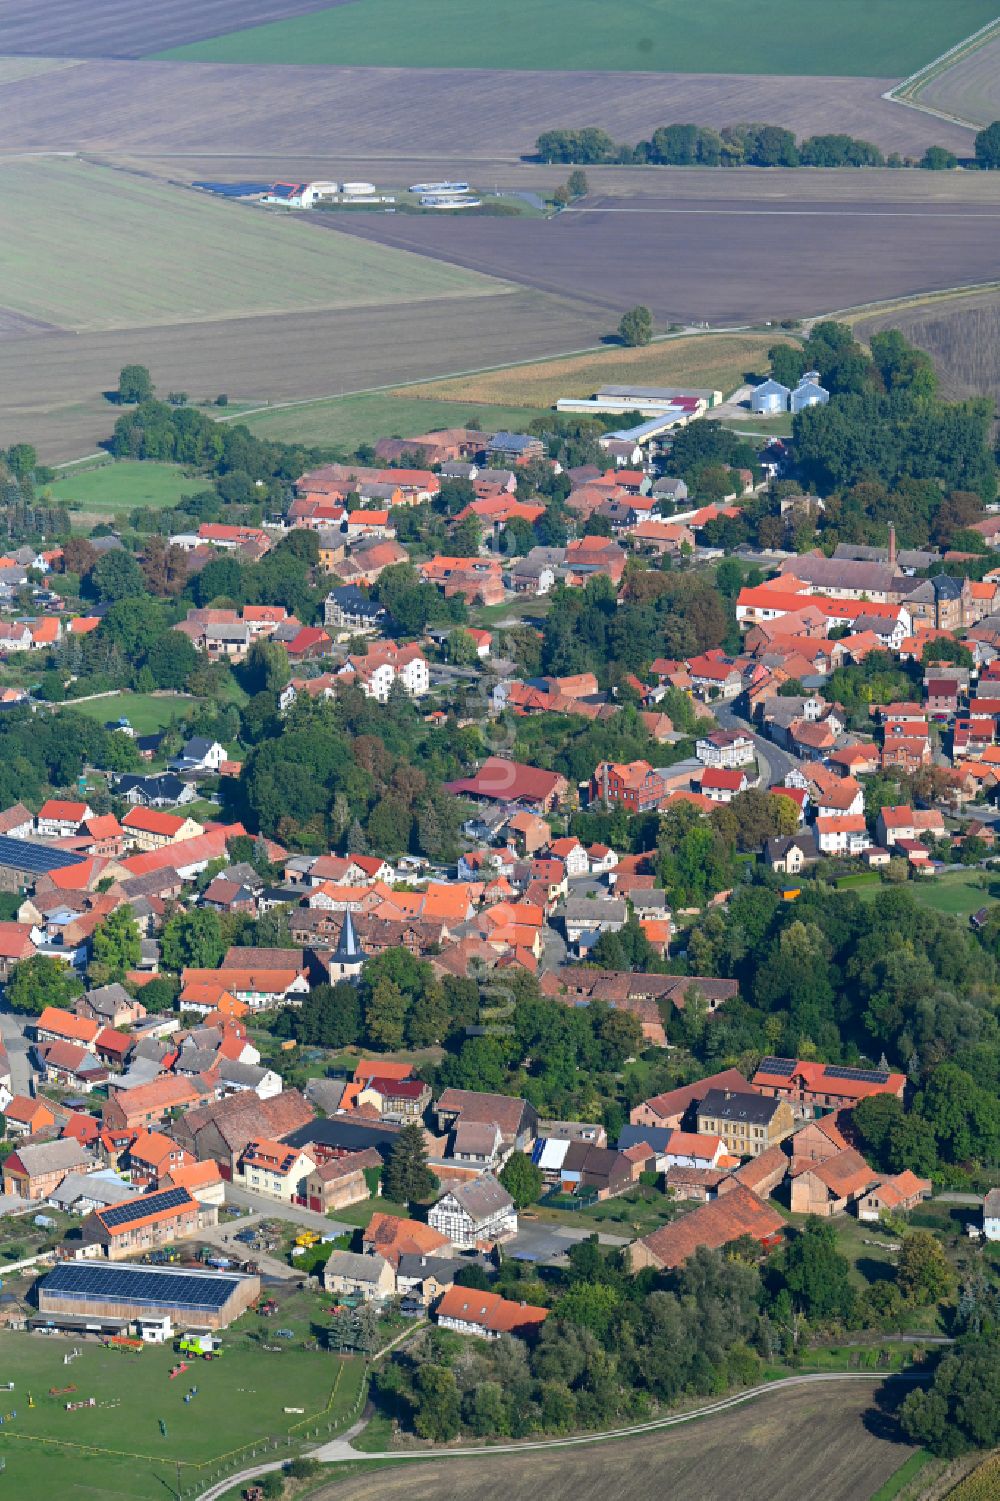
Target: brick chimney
(892,544)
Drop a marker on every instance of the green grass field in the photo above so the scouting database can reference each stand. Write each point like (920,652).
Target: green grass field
(957,892)
(345,421)
(853,38)
(146,712)
(125,484)
(131,252)
(117,1449)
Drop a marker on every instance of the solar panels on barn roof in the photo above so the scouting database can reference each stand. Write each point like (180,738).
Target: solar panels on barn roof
(142,1208)
(24,854)
(138,1284)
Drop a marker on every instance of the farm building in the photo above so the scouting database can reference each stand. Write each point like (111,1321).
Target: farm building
(79,1290)
(144,1224)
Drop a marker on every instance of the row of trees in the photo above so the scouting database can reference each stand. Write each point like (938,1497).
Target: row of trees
(616,1347)
(750,145)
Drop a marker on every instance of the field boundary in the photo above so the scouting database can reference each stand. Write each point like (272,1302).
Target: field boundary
(908,92)
(340,1450)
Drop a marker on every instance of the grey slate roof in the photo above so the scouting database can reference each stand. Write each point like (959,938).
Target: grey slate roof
(482,1198)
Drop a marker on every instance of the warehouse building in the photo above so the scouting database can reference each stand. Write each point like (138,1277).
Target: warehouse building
(77,1293)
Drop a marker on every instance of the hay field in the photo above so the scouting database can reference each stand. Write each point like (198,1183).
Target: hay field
(392,114)
(115,251)
(721,262)
(852,38)
(812,1442)
(718,361)
(969,89)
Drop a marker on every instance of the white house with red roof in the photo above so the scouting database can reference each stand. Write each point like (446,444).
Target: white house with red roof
(59,818)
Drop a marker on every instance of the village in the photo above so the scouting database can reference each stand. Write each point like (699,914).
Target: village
(414,1057)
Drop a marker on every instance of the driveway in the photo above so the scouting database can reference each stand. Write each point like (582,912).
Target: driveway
(261,1206)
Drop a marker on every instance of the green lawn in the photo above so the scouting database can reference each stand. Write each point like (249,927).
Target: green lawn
(132,252)
(126,484)
(637,1212)
(146,712)
(117,1449)
(345,421)
(851,38)
(957,892)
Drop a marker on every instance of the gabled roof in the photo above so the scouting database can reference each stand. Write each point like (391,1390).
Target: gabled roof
(715,1224)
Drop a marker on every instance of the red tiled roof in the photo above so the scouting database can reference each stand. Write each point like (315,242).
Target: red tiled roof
(715,1224)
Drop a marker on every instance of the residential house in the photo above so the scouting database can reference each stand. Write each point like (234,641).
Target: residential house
(748,1123)
(725,749)
(480,1212)
(843,835)
(392,1237)
(59,818)
(679,1107)
(469,1311)
(276,1170)
(897,1194)
(348,1274)
(517,1120)
(902,822)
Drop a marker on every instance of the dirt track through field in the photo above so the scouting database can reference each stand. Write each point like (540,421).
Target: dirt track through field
(808,1443)
(124,28)
(53,398)
(694,261)
(173,107)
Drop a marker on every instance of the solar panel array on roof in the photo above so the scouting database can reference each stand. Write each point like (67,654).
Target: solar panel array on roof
(136,1284)
(864,1075)
(24,854)
(146,1204)
(782,1066)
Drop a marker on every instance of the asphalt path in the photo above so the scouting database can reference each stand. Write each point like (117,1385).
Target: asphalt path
(17,1045)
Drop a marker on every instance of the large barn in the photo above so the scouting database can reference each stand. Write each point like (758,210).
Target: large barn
(78,1291)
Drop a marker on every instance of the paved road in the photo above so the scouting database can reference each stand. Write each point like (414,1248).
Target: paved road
(340,1450)
(775,763)
(260,1205)
(12,1031)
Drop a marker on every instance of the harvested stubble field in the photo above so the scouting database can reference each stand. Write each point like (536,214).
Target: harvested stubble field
(54,398)
(132,253)
(784,1446)
(969,89)
(721,262)
(852,38)
(961,334)
(718,361)
(395,114)
(116,28)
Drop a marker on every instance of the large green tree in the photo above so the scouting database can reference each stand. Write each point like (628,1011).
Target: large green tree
(116,946)
(39,982)
(407,1178)
(192,940)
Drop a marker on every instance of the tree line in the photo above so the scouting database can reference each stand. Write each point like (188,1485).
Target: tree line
(754,144)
